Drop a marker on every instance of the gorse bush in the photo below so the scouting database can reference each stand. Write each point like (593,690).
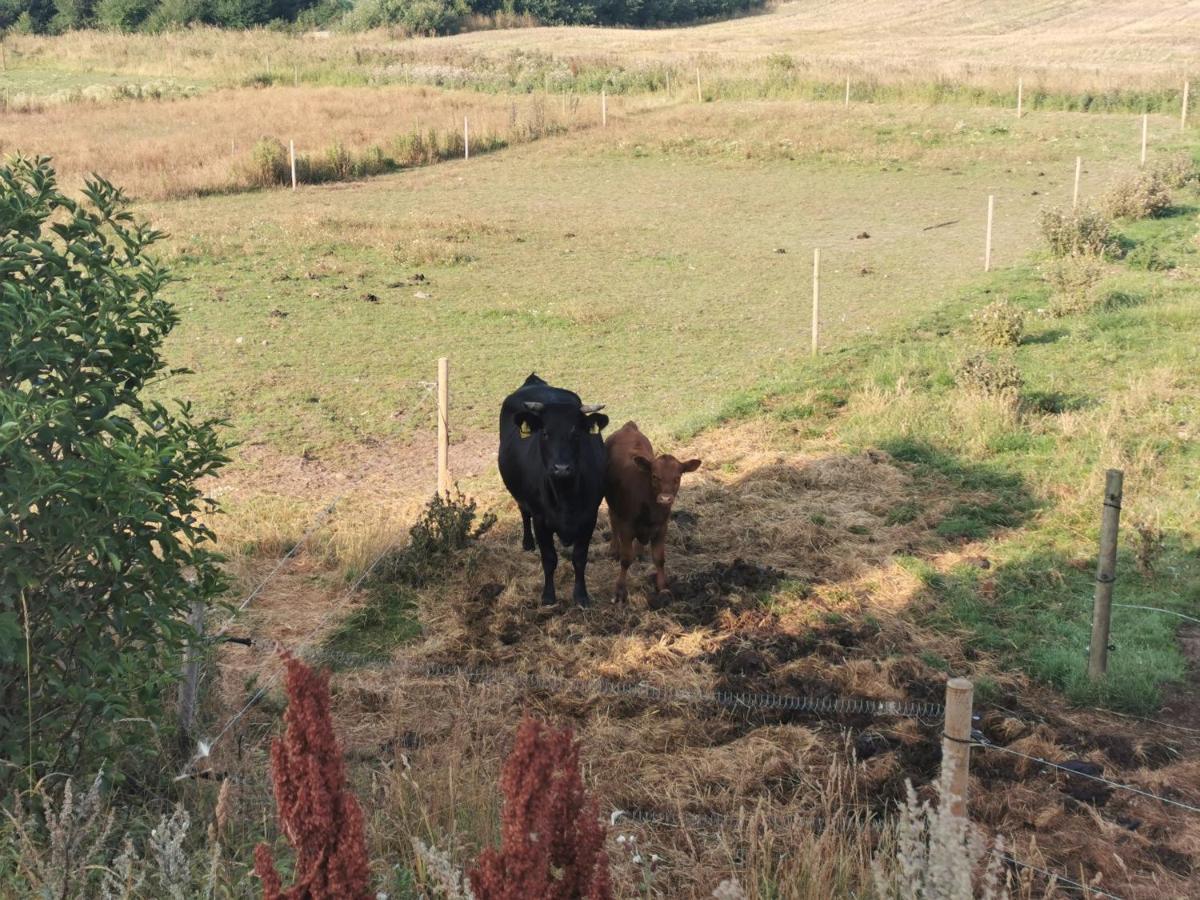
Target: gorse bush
(999,324)
(102,550)
(989,375)
(1074,283)
(1079,232)
(1178,171)
(445,529)
(1143,196)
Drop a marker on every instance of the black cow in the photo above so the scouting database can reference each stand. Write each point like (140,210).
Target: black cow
(552,461)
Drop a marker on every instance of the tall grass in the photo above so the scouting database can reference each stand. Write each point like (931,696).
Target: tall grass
(237,139)
(913,68)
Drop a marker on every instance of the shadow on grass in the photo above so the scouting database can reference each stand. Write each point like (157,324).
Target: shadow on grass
(1005,500)
(1049,336)
(1035,610)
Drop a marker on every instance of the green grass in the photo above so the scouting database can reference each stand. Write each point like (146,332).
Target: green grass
(1113,387)
(647,280)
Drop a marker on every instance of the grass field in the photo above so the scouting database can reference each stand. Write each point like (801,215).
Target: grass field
(865,522)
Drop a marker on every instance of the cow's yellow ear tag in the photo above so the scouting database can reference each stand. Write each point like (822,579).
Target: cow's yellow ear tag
(595,429)
(526,431)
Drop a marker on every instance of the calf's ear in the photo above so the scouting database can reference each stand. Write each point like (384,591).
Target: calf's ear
(642,463)
(691,465)
(596,422)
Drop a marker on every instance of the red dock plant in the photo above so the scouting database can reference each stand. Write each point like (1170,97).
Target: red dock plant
(320,818)
(551,839)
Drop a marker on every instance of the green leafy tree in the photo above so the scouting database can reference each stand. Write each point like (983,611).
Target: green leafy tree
(102,550)
(123,15)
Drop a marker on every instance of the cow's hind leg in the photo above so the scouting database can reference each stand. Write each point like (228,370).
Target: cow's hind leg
(545,539)
(527,531)
(579,557)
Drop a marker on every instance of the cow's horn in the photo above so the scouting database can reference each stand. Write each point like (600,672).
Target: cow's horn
(591,408)
(534,406)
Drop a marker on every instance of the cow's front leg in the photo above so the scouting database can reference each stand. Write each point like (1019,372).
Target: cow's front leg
(579,557)
(545,540)
(623,538)
(526,531)
(658,548)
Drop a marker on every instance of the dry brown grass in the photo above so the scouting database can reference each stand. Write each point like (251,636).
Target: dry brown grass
(1114,44)
(205,145)
(783,801)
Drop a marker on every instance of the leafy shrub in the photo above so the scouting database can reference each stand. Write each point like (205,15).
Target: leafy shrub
(990,376)
(1073,282)
(101,548)
(1178,171)
(269,164)
(999,324)
(1078,232)
(445,529)
(1143,196)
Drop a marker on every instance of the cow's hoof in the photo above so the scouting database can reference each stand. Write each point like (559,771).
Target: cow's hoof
(549,600)
(661,600)
(620,595)
(528,543)
(583,600)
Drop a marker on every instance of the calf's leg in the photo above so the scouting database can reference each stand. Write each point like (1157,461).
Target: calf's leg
(658,548)
(624,540)
(545,540)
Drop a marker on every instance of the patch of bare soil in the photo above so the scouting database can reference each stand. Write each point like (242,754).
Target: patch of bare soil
(1182,707)
(783,584)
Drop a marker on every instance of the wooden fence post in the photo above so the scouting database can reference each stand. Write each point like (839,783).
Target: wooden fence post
(956,742)
(1075,195)
(1106,572)
(816,300)
(987,246)
(443,433)
(292,155)
(466,139)
(1020,96)
(699,95)
(847,103)
(668,83)
(1145,128)
(189,687)
(603,108)
(1184,106)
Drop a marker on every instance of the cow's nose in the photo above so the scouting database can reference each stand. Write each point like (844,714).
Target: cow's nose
(560,470)
(666,499)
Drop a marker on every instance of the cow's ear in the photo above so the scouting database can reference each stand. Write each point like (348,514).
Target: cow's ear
(527,423)
(597,422)
(691,465)
(642,463)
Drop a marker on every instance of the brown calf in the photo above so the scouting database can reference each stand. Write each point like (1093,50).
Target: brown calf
(640,490)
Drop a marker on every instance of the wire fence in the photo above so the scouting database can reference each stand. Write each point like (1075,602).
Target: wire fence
(205,746)
(1076,773)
